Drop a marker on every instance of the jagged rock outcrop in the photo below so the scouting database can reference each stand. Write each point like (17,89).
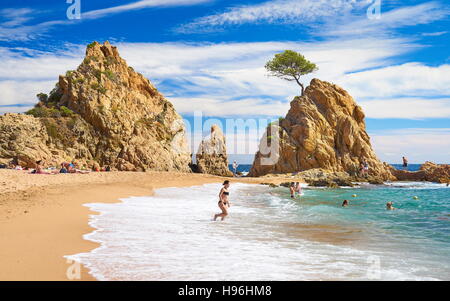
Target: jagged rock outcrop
(103,113)
(323,129)
(211,156)
(429,171)
(23,139)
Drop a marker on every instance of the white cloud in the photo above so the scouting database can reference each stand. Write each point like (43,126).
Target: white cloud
(242,107)
(434,34)
(418,145)
(23,92)
(14,109)
(12,24)
(14,17)
(35,65)
(323,17)
(235,70)
(411,79)
(17,26)
(229,78)
(138,5)
(401,17)
(407,108)
(278,11)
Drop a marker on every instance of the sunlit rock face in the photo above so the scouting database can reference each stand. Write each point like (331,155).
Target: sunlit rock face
(102,113)
(323,129)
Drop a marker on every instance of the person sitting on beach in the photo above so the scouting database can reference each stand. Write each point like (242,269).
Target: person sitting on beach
(63,168)
(39,169)
(224,203)
(13,163)
(71,167)
(390,206)
(96,167)
(345,203)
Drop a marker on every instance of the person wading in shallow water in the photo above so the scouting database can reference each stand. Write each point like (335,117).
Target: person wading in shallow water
(224,203)
(292,189)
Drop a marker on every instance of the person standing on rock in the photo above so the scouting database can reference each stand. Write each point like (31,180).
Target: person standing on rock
(224,203)
(405,163)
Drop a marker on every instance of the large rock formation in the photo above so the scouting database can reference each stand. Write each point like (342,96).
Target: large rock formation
(211,156)
(23,139)
(103,113)
(323,129)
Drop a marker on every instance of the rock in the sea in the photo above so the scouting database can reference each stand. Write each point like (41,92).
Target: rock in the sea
(323,129)
(429,171)
(103,113)
(211,156)
(375,181)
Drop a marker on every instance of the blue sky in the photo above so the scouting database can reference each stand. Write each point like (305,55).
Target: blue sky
(209,55)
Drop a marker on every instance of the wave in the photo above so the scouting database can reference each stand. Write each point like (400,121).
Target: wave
(170,236)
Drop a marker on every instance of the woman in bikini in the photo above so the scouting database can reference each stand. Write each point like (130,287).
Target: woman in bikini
(224,204)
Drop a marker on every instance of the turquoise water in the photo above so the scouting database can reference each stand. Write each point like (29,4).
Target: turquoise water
(427,217)
(417,231)
(246,167)
(269,236)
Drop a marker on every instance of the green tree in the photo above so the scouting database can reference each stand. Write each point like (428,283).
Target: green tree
(290,65)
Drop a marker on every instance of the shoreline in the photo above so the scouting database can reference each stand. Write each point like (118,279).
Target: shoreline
(43,218)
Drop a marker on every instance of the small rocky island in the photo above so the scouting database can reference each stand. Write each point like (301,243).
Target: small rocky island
(323,140)
(324,129)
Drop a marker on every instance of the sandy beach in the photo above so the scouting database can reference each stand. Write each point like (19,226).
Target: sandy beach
(42,217)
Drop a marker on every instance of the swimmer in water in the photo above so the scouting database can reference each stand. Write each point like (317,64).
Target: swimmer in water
(345,203)
(224,203)
(390,206)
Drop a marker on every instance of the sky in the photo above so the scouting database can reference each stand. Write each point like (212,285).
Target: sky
(207,57)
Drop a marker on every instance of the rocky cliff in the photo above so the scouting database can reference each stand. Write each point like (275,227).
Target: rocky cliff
(323,129)
(212,154)
(102,113)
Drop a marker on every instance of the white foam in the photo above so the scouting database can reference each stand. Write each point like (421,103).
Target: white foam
(417,185)
(170,236)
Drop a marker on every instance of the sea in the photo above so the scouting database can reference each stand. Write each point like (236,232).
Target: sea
(245,168)
(269,236)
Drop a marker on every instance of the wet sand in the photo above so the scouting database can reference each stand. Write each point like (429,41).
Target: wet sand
(42,217)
